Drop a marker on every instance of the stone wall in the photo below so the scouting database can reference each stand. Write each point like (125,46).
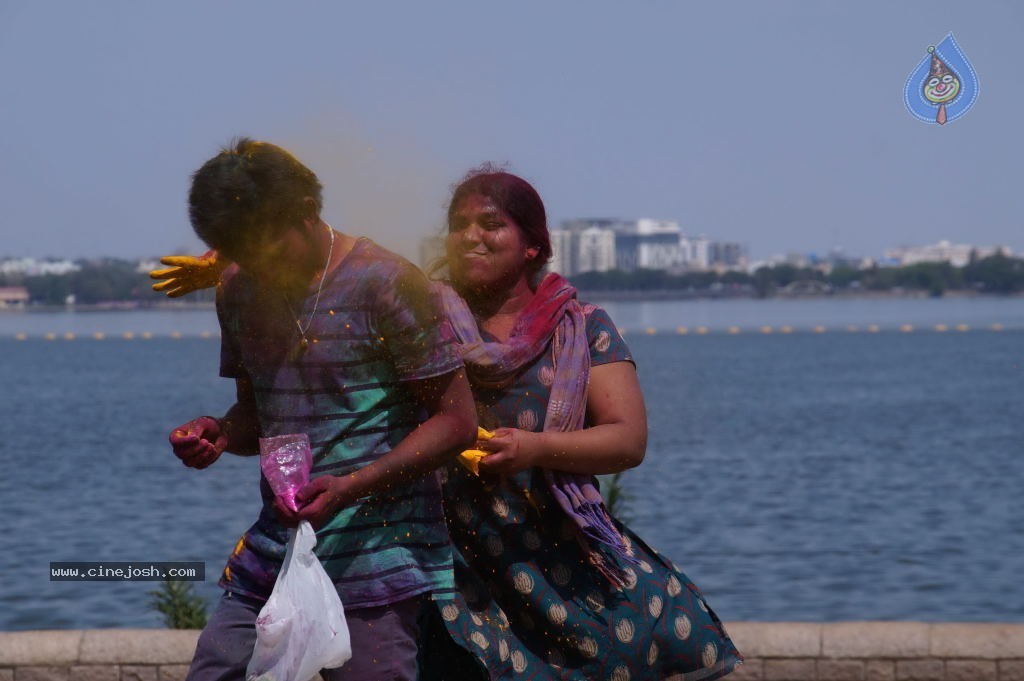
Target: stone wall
(879,651)
(775,651)
(96,655)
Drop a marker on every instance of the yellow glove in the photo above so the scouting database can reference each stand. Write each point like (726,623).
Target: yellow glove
(188,273)
(471,457)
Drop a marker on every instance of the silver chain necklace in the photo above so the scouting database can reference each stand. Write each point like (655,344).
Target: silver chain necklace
(299,350)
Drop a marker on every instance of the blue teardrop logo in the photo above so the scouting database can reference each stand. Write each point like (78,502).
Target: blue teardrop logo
(943,86)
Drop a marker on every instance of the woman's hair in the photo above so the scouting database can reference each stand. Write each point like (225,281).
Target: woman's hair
(249,190)
(517,198)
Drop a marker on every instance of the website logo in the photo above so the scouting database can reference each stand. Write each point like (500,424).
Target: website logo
(943,86)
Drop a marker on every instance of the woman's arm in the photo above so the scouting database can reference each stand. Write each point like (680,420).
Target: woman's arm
(186,273)
(615,441)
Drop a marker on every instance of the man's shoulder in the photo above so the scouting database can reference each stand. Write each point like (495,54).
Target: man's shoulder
(235,285)
(366,250)
(375,265)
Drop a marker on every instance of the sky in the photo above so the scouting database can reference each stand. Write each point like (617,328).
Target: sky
(780,125)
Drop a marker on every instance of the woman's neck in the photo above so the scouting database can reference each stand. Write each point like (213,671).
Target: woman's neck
(496,312)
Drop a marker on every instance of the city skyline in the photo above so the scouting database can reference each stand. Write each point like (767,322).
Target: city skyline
(431,246)
(777,125)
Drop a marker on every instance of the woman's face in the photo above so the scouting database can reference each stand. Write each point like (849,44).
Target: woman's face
(486,249)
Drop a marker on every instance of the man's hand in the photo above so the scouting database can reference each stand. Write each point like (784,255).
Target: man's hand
(319,501)
(187,273)
(199,442)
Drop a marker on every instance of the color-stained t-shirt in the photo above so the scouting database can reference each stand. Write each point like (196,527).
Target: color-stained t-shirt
(376,327)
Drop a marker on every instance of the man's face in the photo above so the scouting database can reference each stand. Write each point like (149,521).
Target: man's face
(281,261)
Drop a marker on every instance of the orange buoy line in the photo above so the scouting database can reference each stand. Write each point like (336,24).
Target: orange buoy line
(100,335)
(732,330)
(767,329)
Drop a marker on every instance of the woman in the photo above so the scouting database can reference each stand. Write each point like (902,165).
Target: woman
(541,593)
(547,585)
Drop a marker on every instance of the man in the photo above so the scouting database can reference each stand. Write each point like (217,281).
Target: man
(338,338)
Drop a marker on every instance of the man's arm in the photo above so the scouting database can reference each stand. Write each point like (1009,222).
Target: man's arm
(241,425)
(202,440)
(450,428)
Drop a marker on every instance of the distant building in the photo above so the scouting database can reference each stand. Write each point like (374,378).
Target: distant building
(835,258)
(561,252)
(649,244)
(696,251)
(584,245)
(30,267)
(727,255)
(145,266)
(602,244)
(13,296)
(957,255)
(595,250)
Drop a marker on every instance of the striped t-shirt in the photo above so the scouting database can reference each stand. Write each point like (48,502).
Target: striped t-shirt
(376,326)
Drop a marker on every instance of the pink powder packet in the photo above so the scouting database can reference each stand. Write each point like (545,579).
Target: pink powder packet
(286,461)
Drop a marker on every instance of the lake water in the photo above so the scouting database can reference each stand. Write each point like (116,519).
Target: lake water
(804,476)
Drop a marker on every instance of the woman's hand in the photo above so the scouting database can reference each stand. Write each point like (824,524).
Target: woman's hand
(511,451)
(187,274)
(615,440)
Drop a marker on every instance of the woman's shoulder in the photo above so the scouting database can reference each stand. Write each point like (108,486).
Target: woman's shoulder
(605,340)
(597,317)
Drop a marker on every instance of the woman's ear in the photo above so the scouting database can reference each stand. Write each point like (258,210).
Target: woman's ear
(532,252)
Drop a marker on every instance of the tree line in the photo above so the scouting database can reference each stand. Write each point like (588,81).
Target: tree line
(107,280)
(111,281)
(996,274)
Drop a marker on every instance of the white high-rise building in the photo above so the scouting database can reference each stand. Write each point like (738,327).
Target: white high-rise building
(603,244)
(595,251)
(648,244)
(561,252)
(584,246)
(696,252)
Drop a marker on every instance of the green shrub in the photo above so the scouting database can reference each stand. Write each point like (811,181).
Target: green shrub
(180,605)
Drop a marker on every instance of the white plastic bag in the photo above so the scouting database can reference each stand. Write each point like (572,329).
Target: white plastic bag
(302,627)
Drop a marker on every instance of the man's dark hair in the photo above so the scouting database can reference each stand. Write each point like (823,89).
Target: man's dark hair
(248,191)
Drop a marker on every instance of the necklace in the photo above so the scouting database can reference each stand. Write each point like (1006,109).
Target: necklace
(299,350)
